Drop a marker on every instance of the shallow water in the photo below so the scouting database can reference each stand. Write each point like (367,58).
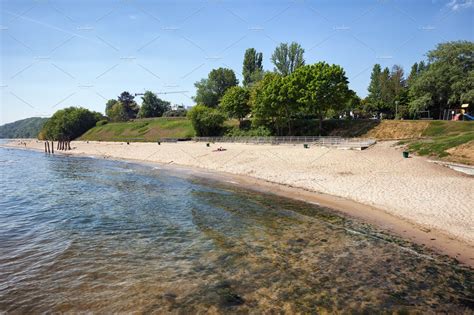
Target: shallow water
(82,234)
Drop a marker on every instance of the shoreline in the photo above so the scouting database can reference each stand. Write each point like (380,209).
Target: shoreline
(432,238)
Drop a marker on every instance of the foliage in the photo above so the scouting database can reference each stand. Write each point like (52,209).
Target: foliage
(180,112)
(150,129)
(259,131)
(387,90)
(447,81)
(129,104)
(108,106)
(69,123)
(209,91)
(252,67)
(123,108)
(287,58)
(206,121)
(235,102)
(319,88)
(271,105)
(25,128)
(153,106)
(118,112)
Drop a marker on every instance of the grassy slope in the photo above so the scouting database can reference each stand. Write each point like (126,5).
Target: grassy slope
(141,130)
(441,137)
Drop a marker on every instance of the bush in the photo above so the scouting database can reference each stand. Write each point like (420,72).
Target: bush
(102,122)
(175,113)
(260,131)
(206,121)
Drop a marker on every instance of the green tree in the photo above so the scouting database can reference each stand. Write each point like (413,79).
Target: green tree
(252,67)
(447,80)
(287,58)
(206,121)
(108,106)
(69,123)
(272,105)
(128,102)
(118,112)
(319,88)
(235,102)
(209,91)
(374,98)
(153,106)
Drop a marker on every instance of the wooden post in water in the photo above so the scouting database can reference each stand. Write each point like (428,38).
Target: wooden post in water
(52,147)
(69,145)
(47,144)
(45,151)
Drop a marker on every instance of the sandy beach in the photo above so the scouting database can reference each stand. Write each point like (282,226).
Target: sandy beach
(432,199)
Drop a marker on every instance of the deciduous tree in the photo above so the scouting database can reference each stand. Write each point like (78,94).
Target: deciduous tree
(153,106)
(287,58)
(235,102)
(252,67)
(209,91)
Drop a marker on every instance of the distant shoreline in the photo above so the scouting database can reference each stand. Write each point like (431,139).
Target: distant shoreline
(236,169)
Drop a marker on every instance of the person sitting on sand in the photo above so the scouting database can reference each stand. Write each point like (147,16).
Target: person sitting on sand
(219,149)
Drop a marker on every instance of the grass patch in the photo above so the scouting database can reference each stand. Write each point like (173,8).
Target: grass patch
(437,146)
(441,136)
(148,130)
(443,128)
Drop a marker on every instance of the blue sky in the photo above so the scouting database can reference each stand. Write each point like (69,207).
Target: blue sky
(61,53)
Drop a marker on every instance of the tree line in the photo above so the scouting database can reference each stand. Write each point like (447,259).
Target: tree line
(445,80)
(273,100)
(125,107)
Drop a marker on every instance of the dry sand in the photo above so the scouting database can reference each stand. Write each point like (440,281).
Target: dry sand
(428,195)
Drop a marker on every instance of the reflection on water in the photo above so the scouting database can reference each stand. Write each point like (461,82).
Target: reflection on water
(81,234)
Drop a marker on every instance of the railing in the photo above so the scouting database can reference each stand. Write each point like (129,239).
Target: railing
(320,141)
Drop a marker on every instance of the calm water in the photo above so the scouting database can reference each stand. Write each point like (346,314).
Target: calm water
(81,234)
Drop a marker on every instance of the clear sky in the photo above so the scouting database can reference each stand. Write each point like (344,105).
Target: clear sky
(60,53)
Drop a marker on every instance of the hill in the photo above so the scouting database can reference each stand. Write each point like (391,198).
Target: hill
(141,130)
(25,128)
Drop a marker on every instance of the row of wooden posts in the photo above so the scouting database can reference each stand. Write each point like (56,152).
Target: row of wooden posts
(61,146)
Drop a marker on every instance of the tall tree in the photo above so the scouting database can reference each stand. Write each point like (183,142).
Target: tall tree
(129,104)
(374,98)
(252,67)
(153,106)
(447,81)
(320,87)
(209,91)
(413,73)
(271,105)
(287,58)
